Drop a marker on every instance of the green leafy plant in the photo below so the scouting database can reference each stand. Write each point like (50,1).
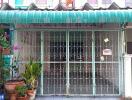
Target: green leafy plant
(4,43)
(31,74)
(21,90)
(3,39)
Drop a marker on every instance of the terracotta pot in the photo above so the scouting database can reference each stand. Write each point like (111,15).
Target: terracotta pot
(22,98)
(125,98)
(12,96)
(11,85)
(31,94)
(6,51)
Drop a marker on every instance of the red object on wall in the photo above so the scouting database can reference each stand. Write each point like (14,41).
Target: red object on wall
(6,51)
(69,2)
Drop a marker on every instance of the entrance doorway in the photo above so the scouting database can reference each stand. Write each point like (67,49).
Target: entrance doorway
(81,63)
(75,62)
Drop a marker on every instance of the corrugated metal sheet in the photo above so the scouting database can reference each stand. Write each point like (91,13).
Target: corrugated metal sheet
(91,16)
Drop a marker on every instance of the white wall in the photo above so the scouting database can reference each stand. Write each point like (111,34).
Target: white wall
(128,75)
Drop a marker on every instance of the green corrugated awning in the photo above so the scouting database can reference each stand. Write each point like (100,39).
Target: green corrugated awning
(92,16)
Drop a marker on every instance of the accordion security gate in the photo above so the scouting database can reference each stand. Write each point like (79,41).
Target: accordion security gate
(85,63)
(75,63)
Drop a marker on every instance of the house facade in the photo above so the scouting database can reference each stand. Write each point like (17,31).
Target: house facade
(81,49)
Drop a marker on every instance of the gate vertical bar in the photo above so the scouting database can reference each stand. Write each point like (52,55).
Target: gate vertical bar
(123,40)
(119,55)
(93,63)
(42,59)
(67,63)
(12,32)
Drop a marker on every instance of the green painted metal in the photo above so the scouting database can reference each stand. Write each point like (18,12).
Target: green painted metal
(12,35)
(67,64)
(123,47)
(91,16)
(42,59)
(88,30)
(119,60)
(7,60)
(93,63)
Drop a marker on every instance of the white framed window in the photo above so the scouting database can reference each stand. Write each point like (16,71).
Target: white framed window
(46,3)
(23,3)
(128,3)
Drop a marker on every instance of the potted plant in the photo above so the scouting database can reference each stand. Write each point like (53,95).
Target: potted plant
(4,43)
(21,92)
(15,80)
(4,73)
(5,70)
(31,74)
(11,84)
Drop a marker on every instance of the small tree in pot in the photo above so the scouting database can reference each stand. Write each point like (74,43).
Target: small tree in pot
(31,74)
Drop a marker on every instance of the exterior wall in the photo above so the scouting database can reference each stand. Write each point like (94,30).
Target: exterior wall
(54,3)
(78,3)
(128,75)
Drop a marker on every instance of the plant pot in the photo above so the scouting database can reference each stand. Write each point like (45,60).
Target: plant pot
(11,85)
(6,51)
(12,96)
(22,98)
(31,94)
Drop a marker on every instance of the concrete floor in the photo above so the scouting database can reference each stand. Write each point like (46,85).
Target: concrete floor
(76,98)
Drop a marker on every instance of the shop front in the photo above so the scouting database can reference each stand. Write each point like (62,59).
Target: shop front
(77,59)
(81,52)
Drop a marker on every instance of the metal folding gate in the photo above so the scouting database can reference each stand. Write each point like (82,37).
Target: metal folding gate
(81,63)
(76,62)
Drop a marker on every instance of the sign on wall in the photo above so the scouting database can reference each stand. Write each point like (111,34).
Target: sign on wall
(107,52)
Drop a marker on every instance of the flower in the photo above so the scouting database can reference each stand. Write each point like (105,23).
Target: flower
(16,47)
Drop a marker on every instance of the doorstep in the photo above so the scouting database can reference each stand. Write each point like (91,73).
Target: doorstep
(75,98)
